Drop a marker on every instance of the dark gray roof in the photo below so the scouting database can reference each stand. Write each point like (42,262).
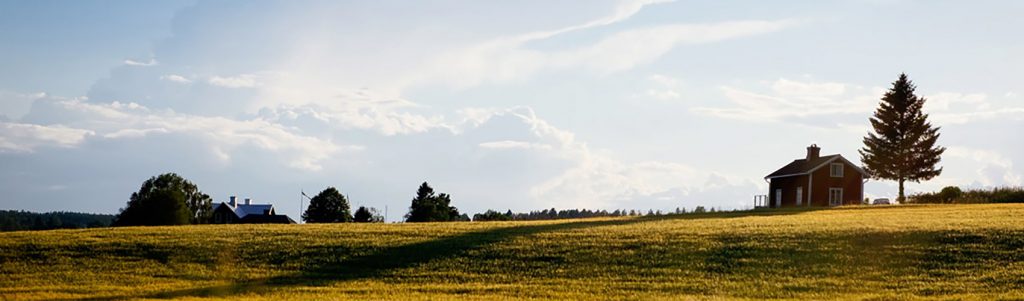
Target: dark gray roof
(802,166)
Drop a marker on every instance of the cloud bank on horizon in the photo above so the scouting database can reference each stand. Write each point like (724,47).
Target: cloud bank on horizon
(522,106)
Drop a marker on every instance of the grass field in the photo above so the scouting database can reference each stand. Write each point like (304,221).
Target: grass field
(906,252)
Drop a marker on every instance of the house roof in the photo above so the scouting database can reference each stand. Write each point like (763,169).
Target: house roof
(803,166)
(243,210)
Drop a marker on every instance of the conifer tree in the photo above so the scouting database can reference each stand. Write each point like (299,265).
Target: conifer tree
(428,207)
(902,146)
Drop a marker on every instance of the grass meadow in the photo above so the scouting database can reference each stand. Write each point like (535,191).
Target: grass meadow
(901,252)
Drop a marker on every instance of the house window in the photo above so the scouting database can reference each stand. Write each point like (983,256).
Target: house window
(799,196)
(835,196)
(836,170)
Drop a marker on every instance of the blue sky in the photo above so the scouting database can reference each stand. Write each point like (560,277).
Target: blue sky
(518,105)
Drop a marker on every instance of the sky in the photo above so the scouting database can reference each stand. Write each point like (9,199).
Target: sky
(520,105)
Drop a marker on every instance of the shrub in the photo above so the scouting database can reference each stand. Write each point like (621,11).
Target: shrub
(954,195)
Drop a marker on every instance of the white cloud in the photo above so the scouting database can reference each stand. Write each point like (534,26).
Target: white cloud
(15,105)
(149,63)
(239,81)
(950,108)
(626,49)
(510,58)
(665,87)
(946,101)
(790,99)
(992,167)
(21,137)
(512,144)
(176,78)
(595,179)
(811,90)
(224,135)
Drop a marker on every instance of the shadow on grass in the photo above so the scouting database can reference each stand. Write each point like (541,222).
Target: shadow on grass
(332,265)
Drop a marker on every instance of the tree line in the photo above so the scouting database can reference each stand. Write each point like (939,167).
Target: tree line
(169,199)
(552,214)
(12,220)
(330,206)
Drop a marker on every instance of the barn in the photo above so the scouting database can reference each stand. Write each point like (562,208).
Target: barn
(816,181)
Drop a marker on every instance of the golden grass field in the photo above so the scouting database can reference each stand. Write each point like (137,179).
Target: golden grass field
(901,252)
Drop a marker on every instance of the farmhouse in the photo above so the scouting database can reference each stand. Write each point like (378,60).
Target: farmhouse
(232,212)
(816,181)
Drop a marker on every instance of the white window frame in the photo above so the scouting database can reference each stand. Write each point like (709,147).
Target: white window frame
(835,196)
(836,170)
(799,195)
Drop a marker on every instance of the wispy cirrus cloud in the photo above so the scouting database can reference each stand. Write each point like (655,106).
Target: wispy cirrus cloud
(511,58)
(792,100)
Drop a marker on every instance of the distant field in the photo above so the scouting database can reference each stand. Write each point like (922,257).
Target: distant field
(906,252)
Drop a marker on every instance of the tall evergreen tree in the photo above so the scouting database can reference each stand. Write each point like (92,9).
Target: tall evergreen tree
(428,207)
(328,206)
(137,211)
(902,146)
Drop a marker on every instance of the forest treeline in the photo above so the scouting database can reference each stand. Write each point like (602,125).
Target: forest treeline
(955,195)
(13,220)
(550,214)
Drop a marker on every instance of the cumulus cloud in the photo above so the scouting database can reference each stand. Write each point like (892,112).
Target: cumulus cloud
(14,105)
(991,167)
(117,120)
(21,137)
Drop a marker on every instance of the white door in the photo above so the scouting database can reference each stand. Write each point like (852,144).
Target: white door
(778,198)
(799,195)
(835,196)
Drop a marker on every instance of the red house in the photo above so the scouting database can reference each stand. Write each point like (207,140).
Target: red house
(816,181)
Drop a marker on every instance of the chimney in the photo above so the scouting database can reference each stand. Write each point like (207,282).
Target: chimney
(232,201)
(248,201)
(813,152)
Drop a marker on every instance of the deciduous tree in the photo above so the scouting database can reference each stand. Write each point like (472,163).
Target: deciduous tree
(328,206)
(140,210)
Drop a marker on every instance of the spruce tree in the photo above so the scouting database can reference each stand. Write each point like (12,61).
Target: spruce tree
(902,146)
(428,207)
(329,206)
